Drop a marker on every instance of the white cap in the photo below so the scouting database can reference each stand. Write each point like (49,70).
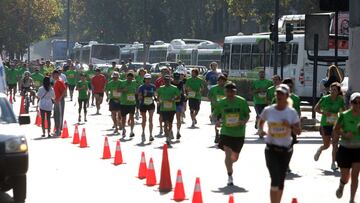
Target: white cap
(354,96)
(115,74)
(283,88)
(147,76)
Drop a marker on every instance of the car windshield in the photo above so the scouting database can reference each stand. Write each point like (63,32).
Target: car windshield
(6,112)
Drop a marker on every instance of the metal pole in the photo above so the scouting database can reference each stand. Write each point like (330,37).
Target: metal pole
(276,32)
(282,50)
(264,56)
(29,32)
(68,29)
(336,36)
(316,53)
(144,32)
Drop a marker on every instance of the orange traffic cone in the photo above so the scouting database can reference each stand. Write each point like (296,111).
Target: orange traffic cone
(197,197)
(106,151)
(76,138)
(179,192)
(38,119)
(65,131)
(231,198)
(150,174)
(83,141)
(118,156)
(22,106)
(142,167)
(165,178)
(294,200)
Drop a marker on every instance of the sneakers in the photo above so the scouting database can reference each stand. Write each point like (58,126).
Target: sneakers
(230,181)
(151,138)
(171,134)
(168,141)
(132,134)
(124,133)
(217,139)
(143,139)
(317,155)
(333,166)
(193,124)
(339,192)
(161,131)
(178,136)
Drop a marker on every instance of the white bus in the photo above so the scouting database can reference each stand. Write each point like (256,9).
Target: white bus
(158,52)
(98,53)
(133,51)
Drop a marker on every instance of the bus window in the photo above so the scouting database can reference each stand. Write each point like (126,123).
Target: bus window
(245,57)
(171,57)
(236,48)
(235,62)
(85,56)
(295,51)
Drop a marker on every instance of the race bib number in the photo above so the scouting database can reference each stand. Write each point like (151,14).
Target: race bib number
(148,100)
(116,94)
(331,119)
(168,105)
(278,130)
(130,97)
(232,120)
(262,94)
(220,97)
(192,94)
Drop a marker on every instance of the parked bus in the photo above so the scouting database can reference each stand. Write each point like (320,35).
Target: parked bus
(96,53)
(58,49)
(158,52)
(243,57)
(133,51)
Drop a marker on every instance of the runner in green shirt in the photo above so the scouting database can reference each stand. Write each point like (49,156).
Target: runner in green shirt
(193,87)
(232,115)
(48,69)
(128,90)
(83,88)
(37,78)
(11,80)
(168,95)
(113,95)
(270,92)
(348,153)
(71,76)
(111,70)
(89,75)
(259,88)
(329,106)
(216,93)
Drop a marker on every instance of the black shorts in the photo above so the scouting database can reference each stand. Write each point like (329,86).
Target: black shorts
(114,105)
(234,143)
(127,109)
(158,109)
(194,104)
(144,108)
(327,130)
(345,157)
(11,86)
(71,87)
(99,94)
(168,116)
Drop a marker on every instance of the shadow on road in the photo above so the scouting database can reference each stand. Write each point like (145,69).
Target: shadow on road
(330,173)
(227,190)
(292,176)
(142,144)
(45,138)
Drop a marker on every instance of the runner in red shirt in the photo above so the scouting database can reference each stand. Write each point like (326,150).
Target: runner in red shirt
(59,103)
(98,83)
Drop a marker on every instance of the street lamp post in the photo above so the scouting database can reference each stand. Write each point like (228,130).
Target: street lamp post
(68,29)
(29,32)
(276,36)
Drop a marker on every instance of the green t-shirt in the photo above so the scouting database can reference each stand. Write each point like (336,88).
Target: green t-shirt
(270,93)
(128,91)
(216,93)
(109,72)
(89,74)
(37,79)
(194,86)
(296,103)
(231,113)
(20,71)
(83,93)
(71,76)
(349,123)
(11,76)
(330,106)
(113,87)
(139,80)
(47,70)
(260,98)
(167,95)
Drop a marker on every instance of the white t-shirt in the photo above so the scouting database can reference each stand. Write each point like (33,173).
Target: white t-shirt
(46,97)
(278,134)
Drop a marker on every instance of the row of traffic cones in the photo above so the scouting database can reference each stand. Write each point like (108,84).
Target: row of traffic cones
(76,137)
(118,160)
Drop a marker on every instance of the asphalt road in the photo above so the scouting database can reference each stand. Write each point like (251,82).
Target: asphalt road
(62,172)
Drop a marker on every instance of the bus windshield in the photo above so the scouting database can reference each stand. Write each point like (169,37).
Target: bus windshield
(105,52)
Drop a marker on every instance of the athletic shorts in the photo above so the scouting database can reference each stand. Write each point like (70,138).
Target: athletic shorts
(194,104)
(168,116)
(11,86)
(114,105)
(234,143)
(127,109)
(179,108)
(99,94)
(345,157)
(144,108)
(71,87)
(327,130)
(158,109)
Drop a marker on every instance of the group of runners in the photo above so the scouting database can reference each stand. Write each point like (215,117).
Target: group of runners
(170,94)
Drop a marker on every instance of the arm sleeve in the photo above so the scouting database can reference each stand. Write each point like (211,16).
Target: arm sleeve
(264,114)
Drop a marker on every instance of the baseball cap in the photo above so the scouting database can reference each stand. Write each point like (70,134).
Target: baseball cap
(283,88)
(115,74)
(354,96)
(147,76)
(230,86)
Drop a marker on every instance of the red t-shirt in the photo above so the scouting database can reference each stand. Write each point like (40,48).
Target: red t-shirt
(59,89)
(159,82)
(98,83)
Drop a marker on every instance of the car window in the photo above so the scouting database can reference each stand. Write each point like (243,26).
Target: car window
(6,113)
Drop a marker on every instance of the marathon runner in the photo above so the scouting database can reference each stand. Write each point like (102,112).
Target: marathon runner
(11,80)
(37,79)
(128,90)
(216,94)
(111,70)
(147,97)
(47,69)
(282,121)
(348,155)
(83,88)
(270,92)
(71,76)
(98,83)
(113,94)
(232,114)
(179,83)
(26,85)
(139,78)
(90,73)
(168,95)
(329,106)
(193,87)
(212,75)
(158,83)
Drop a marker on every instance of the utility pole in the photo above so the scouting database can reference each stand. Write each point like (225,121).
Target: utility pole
(145,31)
(276,37)
(29,32)
(354,46)
(68,29)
